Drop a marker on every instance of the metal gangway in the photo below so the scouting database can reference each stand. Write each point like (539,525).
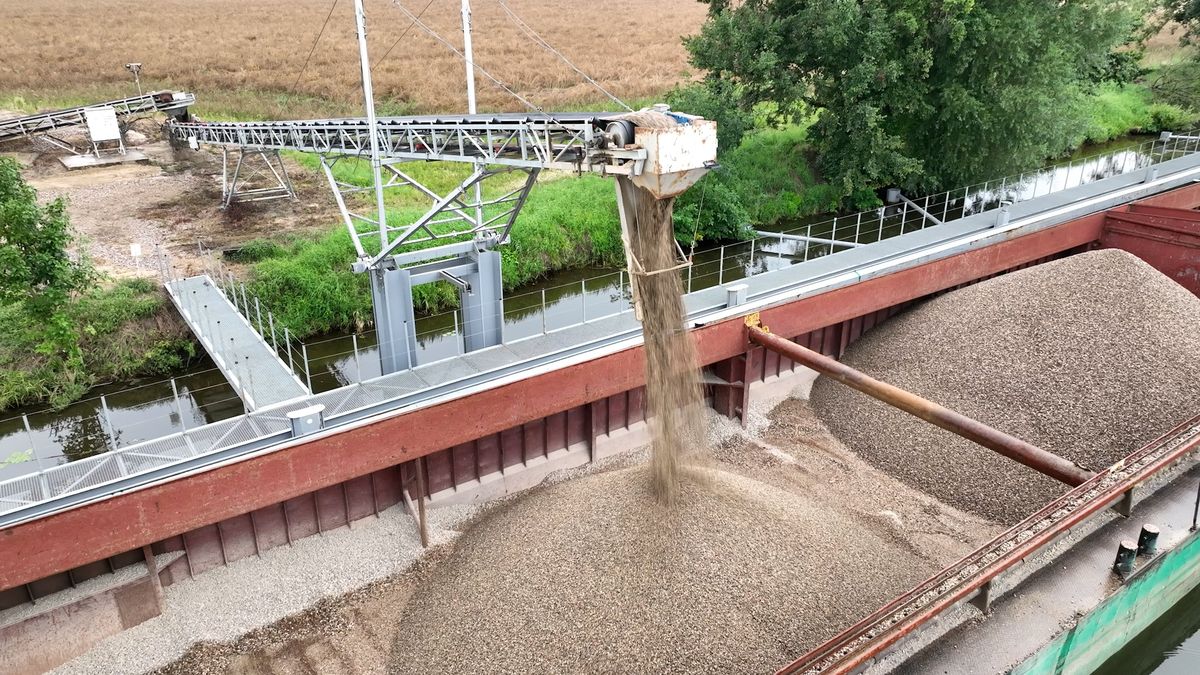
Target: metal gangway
(251,365)
(43,123)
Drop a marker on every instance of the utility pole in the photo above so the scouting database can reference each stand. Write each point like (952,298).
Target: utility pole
(468,52)
(360,21)
(469,58)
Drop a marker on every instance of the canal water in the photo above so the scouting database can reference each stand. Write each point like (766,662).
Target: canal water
(1170,646)
(129,412)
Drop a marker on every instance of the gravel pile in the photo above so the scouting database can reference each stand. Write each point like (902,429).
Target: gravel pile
(1089,357)
(593,575)
(224,603)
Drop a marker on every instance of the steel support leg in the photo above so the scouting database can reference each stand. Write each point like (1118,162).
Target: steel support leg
(483,306)
(391,294)
(271,178)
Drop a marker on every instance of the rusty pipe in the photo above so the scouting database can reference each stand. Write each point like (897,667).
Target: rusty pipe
(1011,447)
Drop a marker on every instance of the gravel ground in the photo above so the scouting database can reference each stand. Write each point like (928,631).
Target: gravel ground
(798,454)
(104,208)
(592,575)
(224,603)
(1089,357)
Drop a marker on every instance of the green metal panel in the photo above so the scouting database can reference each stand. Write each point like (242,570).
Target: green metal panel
(1131,609)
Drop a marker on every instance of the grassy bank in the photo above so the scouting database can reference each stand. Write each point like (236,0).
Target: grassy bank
(127,329)
(1118,110)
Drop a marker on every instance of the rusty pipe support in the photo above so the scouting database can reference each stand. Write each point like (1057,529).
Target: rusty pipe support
(1014,448)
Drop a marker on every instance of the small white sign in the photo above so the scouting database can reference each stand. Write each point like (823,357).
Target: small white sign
(135,250)
(102,124)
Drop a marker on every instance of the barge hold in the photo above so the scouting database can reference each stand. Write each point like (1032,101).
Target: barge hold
(506,417)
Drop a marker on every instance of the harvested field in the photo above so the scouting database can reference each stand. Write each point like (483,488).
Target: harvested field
(1089,357)
(245,57)
(593,575)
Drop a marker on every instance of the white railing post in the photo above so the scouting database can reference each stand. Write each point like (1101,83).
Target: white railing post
(108,429)
(32,445)
(307,370)
(287,344)
(357,363)
(178,405)
(460,340)
(583,299)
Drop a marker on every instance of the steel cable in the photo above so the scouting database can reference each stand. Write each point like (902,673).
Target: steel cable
(312,50)
(541,42)
(445,43)
(408,28)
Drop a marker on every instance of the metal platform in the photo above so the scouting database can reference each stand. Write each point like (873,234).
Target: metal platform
(73,162)
(252,367)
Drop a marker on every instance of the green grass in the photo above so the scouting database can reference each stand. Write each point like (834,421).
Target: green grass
(127,329)
(772,172)
(567,222)
(1117,110)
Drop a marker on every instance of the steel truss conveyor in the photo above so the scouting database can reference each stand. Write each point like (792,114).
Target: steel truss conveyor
(591,142)
(652,153)
(43,123)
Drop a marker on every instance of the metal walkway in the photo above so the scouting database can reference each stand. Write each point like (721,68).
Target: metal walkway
(252,367)
(69,117)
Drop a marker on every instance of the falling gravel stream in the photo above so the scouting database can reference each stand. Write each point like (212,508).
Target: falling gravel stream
(672,379)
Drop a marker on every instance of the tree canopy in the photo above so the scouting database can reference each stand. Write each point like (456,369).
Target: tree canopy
(1186,13)
(920,93)
(37,268)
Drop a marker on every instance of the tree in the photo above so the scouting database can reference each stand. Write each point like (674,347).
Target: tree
(37,269)
(919,93)
(1187,14)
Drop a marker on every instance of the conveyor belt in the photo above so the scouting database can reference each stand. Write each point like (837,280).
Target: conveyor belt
(568,141)
(48,121)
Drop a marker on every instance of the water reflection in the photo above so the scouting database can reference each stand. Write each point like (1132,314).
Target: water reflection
(138,411)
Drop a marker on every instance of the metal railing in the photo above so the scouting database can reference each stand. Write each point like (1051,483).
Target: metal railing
(712,268)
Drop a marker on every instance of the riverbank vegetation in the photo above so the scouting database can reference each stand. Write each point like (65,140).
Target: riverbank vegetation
(63,328)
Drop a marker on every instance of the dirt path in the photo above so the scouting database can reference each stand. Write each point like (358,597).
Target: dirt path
(173,202)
